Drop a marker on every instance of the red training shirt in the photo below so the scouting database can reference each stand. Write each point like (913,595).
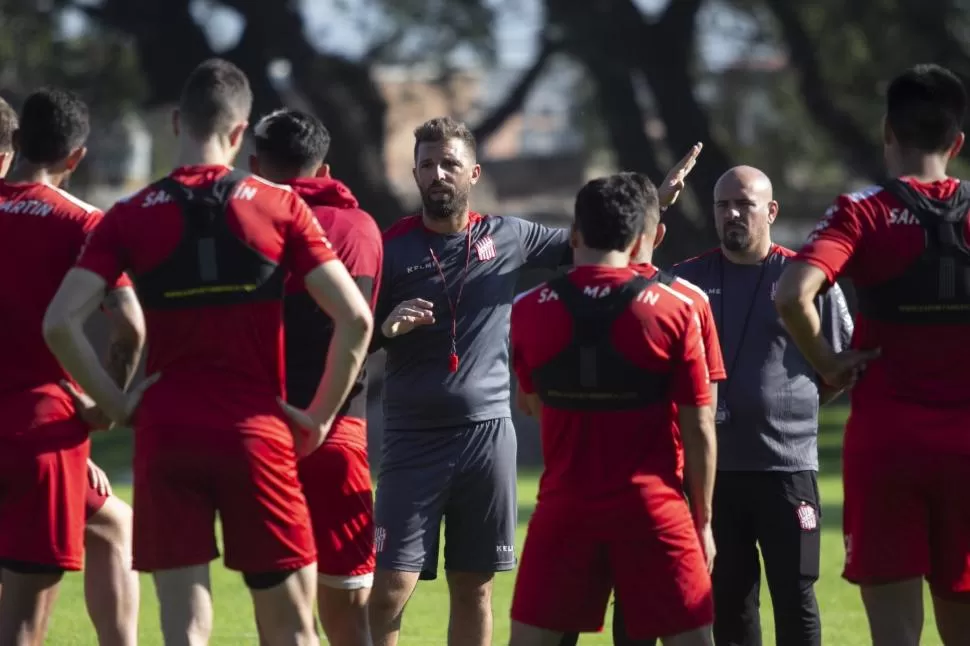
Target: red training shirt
(221,367)
(614,461)
(712,345)
(358,243)
(914,396)
(43,229)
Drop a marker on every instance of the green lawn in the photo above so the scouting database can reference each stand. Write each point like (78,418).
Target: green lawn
(426,617)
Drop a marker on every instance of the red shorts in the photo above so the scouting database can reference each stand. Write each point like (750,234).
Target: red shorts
(93,502)
(182,478)
(42,497)
(336,482)
(569,567)
(907,515)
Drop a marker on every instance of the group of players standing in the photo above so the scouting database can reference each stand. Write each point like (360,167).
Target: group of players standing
(618,360)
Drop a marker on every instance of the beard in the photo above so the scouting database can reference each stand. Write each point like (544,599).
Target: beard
(443,202)
(736,237)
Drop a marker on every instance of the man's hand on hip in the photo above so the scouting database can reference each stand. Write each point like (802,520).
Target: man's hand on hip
(407,316)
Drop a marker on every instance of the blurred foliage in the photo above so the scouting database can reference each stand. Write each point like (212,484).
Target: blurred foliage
(99,64)
(435,30)
(804,100)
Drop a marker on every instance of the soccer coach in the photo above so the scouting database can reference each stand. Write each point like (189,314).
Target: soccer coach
(449,451)
(766,492)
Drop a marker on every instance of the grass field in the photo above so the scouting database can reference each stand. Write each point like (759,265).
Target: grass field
(425,621)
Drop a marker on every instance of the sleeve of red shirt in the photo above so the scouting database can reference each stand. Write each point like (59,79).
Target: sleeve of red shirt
(103,252)
(832,244)
(307,247)
(522,370)
(363,253)
(712,344)
(692,382)
(90,224)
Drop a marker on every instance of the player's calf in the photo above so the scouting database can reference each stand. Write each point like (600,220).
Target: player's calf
(185,603)
(697,637)
(284,604)
(392,589)
(343,610)
(526,635)
(895,612)
(25,606)
(471,608)
(111,590)
(953,618)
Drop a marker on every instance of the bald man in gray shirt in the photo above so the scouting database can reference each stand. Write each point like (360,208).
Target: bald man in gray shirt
(766,494)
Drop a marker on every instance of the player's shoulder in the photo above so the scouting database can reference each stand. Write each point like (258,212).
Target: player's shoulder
(782,253)
(669,297)
(402,228)
(267,194)
(865,194)
(251,179)
(696,264)
(686,288)
(533,296)
(702,258)
(73,204)
(353,224)
(45,201)
(858,204)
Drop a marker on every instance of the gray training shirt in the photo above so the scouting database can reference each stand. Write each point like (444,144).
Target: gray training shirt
(771,393)
(419,390)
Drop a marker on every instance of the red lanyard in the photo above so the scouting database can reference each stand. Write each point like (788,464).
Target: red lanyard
(453,306)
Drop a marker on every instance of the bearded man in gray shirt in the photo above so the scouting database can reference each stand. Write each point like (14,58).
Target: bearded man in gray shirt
(766,493)
(449,451)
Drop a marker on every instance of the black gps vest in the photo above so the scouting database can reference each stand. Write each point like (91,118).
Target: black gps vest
(211,265)
(590,373)
(935,288)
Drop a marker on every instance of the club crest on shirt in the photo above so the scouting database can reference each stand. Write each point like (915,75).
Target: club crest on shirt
(807,519)
(485,248)
(380,536)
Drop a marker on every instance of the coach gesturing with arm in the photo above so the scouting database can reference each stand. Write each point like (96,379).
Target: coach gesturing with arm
(449,447)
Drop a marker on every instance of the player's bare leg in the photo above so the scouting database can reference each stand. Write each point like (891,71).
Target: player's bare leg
(284,611)
(526,635)
(343,614)
(698,637)
(111,590)
(470,621)
(185,604)
(895,612)
(952,620)
(392,589)
(25,607)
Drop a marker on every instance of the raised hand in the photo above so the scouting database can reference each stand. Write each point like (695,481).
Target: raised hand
(674,182)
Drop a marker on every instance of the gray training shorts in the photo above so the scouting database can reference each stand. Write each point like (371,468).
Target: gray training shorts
(464,475)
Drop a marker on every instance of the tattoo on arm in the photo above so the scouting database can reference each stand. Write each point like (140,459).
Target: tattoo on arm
(127,336)
(121,361)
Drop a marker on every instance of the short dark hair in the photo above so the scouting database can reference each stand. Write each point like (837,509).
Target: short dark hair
(650,196)
(8,123)
(610,212)
(291,140)
(53,122)
(925,108)
(442,129)
(215,96)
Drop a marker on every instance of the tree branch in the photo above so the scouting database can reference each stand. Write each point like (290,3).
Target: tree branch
(680,17)
(847,135)
(517,96)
